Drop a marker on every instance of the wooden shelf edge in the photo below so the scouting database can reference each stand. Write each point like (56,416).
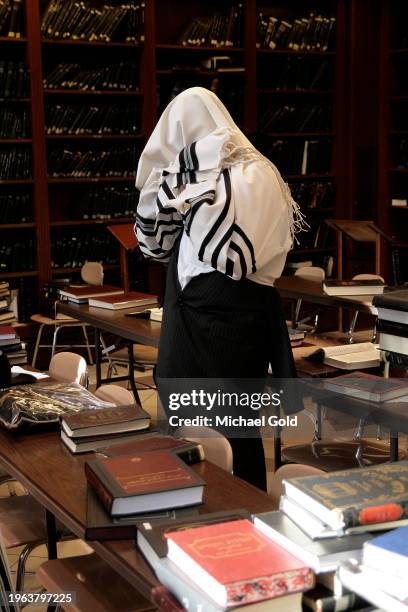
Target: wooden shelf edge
(5,226)
(94,136)
(18,274)
(92,222)
(101,179)
(91,43)
(90,92)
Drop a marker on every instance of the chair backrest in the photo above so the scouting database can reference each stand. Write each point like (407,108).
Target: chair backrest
(92,273)
(291,470)
(312,273)
(115,394)
(69,367)
(368,277)
(216,447)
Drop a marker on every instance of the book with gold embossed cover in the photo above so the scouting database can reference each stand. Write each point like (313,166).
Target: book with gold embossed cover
(144,482)
(357,499)
(117,419)
(236,564)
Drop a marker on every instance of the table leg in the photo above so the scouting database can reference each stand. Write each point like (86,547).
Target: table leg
(52,537)
(394,446)
(98,357)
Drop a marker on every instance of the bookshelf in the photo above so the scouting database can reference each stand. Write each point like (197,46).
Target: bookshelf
(63,203)
(393,138)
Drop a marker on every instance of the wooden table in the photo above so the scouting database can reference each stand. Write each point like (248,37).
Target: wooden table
(132,329)
(297,288)
(56,479)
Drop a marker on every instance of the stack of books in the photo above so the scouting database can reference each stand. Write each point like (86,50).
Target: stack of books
(11,346)
(353,287)
(393,325)
(381,577)
(7,316)
(348,356)
(80,294)
(296,336)
(219,561)
(89,430)
(132,299)
(330,520)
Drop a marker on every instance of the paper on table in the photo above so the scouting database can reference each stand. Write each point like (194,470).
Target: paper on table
(18,370)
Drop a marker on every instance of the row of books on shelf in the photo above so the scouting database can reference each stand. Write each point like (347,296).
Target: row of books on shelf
(313,194)
(14,124)
(70,20)
(296,118)
(101,119)
(220,30)
(10,342)
(114,162)
(294,157)
(72,250)
(17,254)
(299,555)
(14,79)
(105,202)
(15,163)
(296,72)
(312,33)
(118,76)
(12,18)
(15,208)
(402,154)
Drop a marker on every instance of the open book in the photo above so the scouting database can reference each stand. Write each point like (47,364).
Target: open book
(349,356)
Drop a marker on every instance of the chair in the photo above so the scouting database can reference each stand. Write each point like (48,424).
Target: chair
(97,586)
(115,394)
(290,470)
(144,357)
(315,274)
(6,584)
(69,367)
(217,449)
(91,274)
(355,316)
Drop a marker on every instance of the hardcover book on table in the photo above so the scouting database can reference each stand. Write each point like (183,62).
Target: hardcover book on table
(356,498)
(189,452)
(118,419)
(126,300)
(236,564)
(389,552)
(144,482)
(353,287)
(82,293)
(368,386)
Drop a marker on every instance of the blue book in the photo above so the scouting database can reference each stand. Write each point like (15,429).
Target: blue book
(388,553)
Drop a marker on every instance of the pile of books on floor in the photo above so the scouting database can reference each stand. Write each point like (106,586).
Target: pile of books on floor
(7,316)
(393,325)
(11,345)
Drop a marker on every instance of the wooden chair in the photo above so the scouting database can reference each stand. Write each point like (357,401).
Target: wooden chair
(216,446)
(69,367)
(91,274)
(291,470)
(312,273)
(97,586)
(144,357)
(115,394)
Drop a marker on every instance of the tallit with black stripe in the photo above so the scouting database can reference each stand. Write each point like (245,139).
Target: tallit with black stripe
(200,177)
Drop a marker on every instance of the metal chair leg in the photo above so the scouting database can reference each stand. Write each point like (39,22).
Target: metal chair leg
(21,566)
(37,344)
(87,344)
(297,312)
(352,327)
(54,340)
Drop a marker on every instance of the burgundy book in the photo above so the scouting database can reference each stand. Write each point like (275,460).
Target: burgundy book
(236,564)
(7,332)
(82,293)
(144,482)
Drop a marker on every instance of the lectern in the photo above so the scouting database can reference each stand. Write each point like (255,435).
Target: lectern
(126,237)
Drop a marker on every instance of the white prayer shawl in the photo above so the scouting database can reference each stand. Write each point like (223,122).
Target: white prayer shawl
(200,176)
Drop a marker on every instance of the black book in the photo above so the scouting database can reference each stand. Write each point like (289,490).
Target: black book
(151,536)
(394,300)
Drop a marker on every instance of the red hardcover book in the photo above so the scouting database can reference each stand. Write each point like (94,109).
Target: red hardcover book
(236,564)
(81,294)
(125,300)
(7,332)
(144,482)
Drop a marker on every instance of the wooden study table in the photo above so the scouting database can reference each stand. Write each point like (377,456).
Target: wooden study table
(297,288)
(56,479)
(134,330)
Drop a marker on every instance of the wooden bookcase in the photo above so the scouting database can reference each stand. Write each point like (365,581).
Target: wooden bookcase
(57,201)
(393,140)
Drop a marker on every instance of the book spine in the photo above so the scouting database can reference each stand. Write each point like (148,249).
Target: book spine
(101,491)
(269,587)
(370,515)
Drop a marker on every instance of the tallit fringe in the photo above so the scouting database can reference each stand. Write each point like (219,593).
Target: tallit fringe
(232,155)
